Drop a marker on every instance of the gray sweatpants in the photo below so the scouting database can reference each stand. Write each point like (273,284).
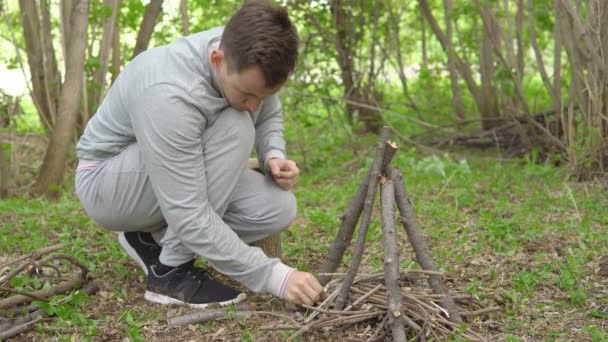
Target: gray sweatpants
(117,194)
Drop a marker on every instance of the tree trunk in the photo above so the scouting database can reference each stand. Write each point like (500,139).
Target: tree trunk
(116,59)
(486,68)
(456,92)
(30,20)
(52,78)
(56,156)
(425,58)
(396,17)
(345,44)
(539,55)
(183,9)
(463,68)
(5,170)
(585,37)
(100,76)
(519,26)
(146,29)
(270,245)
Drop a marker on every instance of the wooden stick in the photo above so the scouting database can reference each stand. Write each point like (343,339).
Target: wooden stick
(333,312)
(389,152)
(423,254)
(391,263)
(23,323)
(199,316)
(34,255)
(23,293)
(60,288)
(16,330)
(364,297)
(365,219)
(482,311)
(243,311)
(349,219)
(305,328)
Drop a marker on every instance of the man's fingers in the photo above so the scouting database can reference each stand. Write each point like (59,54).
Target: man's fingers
(275,169)
(320,294)
(286,184)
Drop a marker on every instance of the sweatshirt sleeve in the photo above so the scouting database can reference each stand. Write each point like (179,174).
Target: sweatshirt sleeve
(168,131)
(269,141)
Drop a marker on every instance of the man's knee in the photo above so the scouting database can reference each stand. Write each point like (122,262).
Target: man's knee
(287,211)
(232,126)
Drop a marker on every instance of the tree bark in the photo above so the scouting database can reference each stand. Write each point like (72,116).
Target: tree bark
(56,156)
(365,220)
(486,68)
(345,42)
(539,55)
(271,246)
(391,260)
(396,31)
(146,29)
(52,78)
(519,36)
(33,47)
(350,217)
(183,9)
(116,56)
(463,68)
(425,55)
(100,76)
(456,92)
(423,254)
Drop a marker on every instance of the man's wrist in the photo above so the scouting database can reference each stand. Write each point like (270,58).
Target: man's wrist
(278,279)
(273,154)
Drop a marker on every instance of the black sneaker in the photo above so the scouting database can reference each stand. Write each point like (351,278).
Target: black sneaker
(191,286)
(141,247)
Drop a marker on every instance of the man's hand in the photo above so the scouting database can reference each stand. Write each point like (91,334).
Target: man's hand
(303,288)
(284,172)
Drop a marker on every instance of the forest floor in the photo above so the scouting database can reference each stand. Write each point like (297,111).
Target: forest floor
(514,233)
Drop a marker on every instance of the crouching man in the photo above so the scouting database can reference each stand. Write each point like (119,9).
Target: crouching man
(163,161)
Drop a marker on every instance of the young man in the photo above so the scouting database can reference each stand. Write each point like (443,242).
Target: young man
(163,161)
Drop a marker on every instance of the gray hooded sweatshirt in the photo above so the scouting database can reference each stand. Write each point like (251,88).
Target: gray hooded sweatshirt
(164,99)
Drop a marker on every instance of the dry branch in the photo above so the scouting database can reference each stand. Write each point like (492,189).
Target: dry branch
(365,220)
(391,263)
(22,324)
(423,254)
(48,292)
(349,220)
(198,316)
(32,256)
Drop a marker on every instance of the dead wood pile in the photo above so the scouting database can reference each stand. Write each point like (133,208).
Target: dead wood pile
(516,136)
(54,272)
(411,303)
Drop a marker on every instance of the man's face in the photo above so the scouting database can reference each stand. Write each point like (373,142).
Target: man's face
(244,90)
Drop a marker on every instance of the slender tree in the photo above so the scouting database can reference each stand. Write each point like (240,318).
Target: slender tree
(153,10)
(53,165)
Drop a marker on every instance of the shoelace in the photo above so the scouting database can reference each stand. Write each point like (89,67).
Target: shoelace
(197,273)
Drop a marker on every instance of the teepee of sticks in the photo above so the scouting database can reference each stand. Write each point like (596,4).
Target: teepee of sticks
(393,298)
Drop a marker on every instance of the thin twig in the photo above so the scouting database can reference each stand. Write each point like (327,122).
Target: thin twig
(23,293)
(365,220)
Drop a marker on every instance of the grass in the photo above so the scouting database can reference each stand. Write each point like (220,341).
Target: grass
(516,234)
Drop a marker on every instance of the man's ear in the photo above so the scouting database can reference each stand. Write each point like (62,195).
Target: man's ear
(217,58)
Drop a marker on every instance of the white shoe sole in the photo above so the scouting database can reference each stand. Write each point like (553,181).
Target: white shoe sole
(162,299)
(131,252)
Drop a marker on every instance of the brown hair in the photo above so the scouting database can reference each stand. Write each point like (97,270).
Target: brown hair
(261,34)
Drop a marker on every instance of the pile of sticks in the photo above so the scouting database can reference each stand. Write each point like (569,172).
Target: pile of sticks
(17,313)
(392,298)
